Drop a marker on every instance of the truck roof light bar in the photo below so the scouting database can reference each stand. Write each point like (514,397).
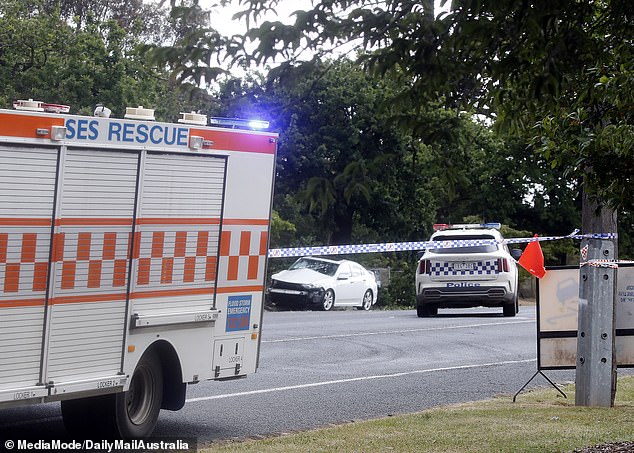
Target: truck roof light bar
(239,123)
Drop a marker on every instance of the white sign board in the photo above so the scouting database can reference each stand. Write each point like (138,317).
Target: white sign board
(557,318)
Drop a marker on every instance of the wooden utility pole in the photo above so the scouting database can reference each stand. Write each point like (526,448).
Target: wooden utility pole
(596,354)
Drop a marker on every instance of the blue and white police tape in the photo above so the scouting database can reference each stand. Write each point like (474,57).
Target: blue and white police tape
(612,264)
(418,245)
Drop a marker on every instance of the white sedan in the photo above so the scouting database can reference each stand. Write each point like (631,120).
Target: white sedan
(324,283)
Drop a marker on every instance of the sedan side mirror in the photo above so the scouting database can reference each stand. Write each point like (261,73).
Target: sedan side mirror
(516,253)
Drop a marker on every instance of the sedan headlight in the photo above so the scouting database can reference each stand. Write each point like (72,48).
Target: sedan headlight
(310,287)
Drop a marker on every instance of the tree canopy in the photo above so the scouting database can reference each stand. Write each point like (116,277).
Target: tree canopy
(564,66)
(81,54)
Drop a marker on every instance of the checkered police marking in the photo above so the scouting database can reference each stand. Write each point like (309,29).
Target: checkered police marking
(480,268)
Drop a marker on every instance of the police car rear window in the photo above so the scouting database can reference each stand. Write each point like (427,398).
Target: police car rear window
(485,248)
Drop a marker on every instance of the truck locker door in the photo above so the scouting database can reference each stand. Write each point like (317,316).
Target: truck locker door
(178,231)
(27,190)
(93,225)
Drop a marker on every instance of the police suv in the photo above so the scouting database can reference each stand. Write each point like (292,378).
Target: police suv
(471,267)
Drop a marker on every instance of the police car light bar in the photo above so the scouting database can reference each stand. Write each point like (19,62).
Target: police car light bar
(236,122)
(464,226)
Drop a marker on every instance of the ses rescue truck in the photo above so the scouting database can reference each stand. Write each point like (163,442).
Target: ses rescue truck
(132,261)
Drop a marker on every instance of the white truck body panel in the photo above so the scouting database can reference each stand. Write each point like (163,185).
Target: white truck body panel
(120,236)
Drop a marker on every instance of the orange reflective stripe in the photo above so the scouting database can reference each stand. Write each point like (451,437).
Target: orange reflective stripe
(40,273)
(245,243)
(189,272)
(29,241)
(210,268)
(158,241)
(22,303)
(11,278)
(264,236)
(14,125)
(4,243)
(83,246)
(143,277)
(86,298)
(120,272)
(239,289)
(58,247)
(109,245)
(68,274)
(225,243)
(178,221)
(230,141)
(167,270)
(12,221)
(136,239)
(252,271)
(180,246)
(245,222)
(96,221)
(201,246)
(232,271)
(171,292)
(94,274)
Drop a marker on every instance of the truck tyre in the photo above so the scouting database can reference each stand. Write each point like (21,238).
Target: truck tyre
(128,415)
(329,300)
(137,410)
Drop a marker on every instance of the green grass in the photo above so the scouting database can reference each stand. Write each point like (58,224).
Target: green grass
(540,421)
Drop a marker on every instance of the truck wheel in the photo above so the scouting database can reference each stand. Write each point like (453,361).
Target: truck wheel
(137,410)
(329,300)
(131,414)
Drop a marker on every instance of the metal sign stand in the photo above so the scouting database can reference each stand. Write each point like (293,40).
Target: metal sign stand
(545,377)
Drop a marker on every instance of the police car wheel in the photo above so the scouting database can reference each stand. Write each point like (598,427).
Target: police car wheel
(425,310)
(329,300)
(511,309)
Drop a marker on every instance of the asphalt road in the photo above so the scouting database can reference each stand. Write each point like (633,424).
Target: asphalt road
(323,368)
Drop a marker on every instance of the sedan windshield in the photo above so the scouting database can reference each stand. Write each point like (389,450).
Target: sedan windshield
(484,248)
(323,267)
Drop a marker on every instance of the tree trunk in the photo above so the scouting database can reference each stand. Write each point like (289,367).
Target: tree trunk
(596,353)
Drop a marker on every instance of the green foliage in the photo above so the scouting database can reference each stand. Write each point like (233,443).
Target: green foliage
(565,65)
(44,56)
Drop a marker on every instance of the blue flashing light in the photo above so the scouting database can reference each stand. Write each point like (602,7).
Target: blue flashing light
(496,225)
(239,123)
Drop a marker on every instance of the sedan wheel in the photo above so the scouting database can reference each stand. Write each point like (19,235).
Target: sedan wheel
(329,300)
(366,303)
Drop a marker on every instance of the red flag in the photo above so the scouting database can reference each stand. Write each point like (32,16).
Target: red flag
(533,259)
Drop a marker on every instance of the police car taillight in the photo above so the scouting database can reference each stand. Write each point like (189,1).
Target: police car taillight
(424,267)
(503,265)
